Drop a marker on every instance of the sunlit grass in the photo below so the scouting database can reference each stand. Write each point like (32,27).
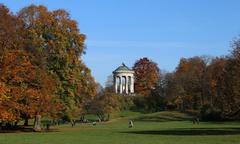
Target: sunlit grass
(157,128)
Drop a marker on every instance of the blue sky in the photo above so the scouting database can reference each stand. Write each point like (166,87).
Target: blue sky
(163,30)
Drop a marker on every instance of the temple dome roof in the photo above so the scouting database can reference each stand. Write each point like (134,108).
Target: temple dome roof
(123,68)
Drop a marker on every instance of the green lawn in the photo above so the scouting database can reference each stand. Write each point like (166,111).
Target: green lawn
(157,128)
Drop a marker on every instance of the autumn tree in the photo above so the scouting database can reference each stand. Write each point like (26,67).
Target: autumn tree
(213,76)
(11,31)
(11,38)
(41,66)
(146,76)
(30,88)
(229,84)
(6,113)
(54,38)
(190,85)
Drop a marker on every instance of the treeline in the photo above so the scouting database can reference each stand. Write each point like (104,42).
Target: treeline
(205,86)
(41,70)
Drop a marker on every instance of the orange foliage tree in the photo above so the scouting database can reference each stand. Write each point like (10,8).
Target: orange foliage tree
(54,38)
(189,76)
(30,89)
(26,87)
(213,76)
(147,76)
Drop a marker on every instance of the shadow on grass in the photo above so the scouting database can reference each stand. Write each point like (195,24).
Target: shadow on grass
(25,129)
(190,131)
(162,118)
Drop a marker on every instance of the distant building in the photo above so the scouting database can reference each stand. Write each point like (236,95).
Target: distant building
(123,80)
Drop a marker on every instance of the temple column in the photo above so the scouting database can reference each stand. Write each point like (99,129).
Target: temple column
(121,82)
(115,83)
(132,85)
(126,85)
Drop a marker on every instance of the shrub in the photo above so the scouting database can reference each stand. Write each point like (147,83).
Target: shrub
(126,102)
(139,103)
(210,113)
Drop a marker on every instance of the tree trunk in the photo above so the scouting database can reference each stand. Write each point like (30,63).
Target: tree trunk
(26,121)
(108,117)
(37,123)
(15,124)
